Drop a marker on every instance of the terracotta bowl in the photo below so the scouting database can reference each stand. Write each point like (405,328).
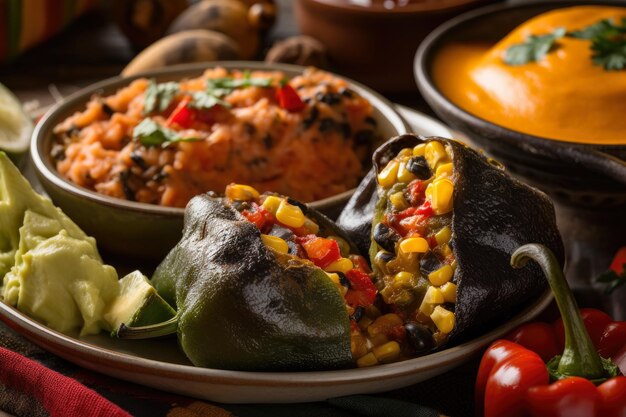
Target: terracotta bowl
(147,231)
(580,175)
(373,44)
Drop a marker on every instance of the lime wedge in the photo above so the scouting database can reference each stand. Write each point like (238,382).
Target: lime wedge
(15,125)
(137,304)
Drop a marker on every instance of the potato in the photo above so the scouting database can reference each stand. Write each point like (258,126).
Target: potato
(184,47)
(229,17)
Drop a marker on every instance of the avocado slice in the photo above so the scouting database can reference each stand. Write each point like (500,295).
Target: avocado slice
(138,304)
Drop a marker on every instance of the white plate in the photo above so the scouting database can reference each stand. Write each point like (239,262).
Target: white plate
(160,364)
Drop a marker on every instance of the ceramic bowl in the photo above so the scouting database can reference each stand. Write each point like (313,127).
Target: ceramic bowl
(579,175)
(369,42)
(148,231)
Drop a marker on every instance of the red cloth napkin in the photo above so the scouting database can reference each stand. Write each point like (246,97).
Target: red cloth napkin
(49,392)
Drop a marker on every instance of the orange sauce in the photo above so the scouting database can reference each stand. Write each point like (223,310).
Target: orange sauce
(564,96)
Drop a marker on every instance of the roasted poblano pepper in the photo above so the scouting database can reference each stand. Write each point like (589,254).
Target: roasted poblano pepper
(441,222)
(261,283)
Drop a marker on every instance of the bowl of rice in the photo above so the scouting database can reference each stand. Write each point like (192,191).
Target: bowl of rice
(124,156)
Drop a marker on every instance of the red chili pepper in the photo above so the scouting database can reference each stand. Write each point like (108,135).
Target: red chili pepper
(321,251)
(360,263)
(619,262)
(362,290)
(182,115)
(289,99)
(262,218)
(615,277)
(514,380)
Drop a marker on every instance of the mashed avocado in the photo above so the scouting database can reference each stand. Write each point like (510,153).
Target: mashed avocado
(52,270)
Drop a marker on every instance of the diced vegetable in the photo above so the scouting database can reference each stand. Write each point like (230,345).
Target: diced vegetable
(290,215)
(443,319)
(414,245)
(241,192)
(276,243)
(289,99)
(322,252)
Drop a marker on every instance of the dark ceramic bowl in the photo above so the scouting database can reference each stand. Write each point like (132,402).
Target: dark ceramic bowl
(582,175)
(373,44)
(148,231)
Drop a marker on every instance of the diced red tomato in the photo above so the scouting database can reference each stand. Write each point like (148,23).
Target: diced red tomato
(619,261)
(289,99)
(362,290)
(321,251)
(416,191)
(182,115)
(262,218)
(360,263)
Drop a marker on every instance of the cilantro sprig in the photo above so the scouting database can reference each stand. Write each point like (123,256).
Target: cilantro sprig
(533,49)
(159,96)
(608,45)
(150,133)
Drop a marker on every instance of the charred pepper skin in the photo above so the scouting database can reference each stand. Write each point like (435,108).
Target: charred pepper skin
(288,315)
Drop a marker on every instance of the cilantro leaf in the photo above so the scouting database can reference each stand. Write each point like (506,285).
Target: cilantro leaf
(159,96)
(609,53)
(533,49)
(206,100)
(602,27)
(150,133)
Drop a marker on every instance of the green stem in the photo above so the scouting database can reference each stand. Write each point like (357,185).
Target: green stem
(148,332)
(580,357)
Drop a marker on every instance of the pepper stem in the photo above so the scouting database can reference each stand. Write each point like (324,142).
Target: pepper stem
(579,357)
(148,332)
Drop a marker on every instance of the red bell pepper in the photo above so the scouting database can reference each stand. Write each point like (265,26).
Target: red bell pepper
(362,290)
(262,218)
(616,275)
(321,251)
(289,99)
(182,115)
(514,379)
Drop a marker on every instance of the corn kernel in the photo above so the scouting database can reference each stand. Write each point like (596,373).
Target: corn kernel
(388,175)
(403,279)
(441,275)
(358,345)
(271,203)
(434,152)
(406,152)
(334,278)
(290,215)
(378,339)
(404,175)
(344,246)
(426,309)
(311,227)
(340,265)
(443,319)
(453,264)
(387,352)
(367,360)
(241,192)
(398,201)
(441,192)
(364,323)
(433,296)
(445,250)
(443,236)
(449,292)
(444,170)
(419,149)
(276,243)
(414,245)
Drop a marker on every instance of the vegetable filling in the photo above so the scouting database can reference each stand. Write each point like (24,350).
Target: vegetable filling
(412,242)
(286,229)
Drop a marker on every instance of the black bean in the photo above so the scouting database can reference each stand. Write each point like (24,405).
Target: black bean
(365,137)
(429,263)
(386,237)
(346,130)
(420,338)
(343,280)
(161,175)
(128,192)
(384,257)
(138,160)
(308,121)
(370,120)
(249,128)
(268,141)
(57,152)
(331,99)
(346,92)
(359,312)
(419,167)
(302,206)
(327,124)
(282,232)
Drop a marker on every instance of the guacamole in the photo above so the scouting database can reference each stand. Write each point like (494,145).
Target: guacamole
(52,270)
